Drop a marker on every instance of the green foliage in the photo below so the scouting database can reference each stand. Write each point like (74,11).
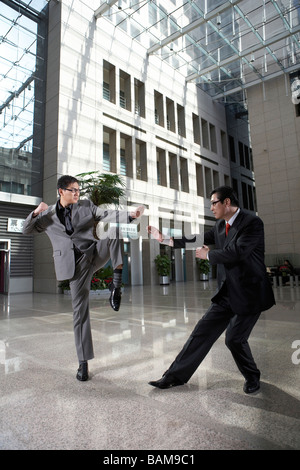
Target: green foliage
(101,188)
(102,278)
(64,285)
(163,265)
(203,265)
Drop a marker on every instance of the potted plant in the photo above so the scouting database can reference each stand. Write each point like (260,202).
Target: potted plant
(163,266)
(204,268)
(101,189)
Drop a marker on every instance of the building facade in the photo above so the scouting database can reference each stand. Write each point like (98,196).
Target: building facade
(101,103)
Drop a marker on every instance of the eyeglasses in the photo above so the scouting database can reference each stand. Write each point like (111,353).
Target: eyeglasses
(213,203)
(73,190)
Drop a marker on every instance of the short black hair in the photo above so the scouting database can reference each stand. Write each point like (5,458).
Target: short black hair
(64,181)
(225,192)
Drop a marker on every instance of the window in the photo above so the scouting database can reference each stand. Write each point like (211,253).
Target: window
(106,157)
(109,82)
(184,175)
(250,198)
(122,99)
(170,115)
(245,195)
(224,144)
(227,180)
(181,120)
(213,138)
(216,179)
(241,154)
(141,161)
(106,91)
(139,98)
(122,162)
(247,158)
(23,79)
(231,148)
(235,186)
(199,180)
(159,108)
(208,181)
(109,150)
(126,155)
(125,91)
(205,138)
(161,172)
(173,171)
(196,129)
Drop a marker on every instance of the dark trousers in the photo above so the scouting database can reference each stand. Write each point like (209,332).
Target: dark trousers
(218,318)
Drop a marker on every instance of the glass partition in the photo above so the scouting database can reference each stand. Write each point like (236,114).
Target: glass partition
(22,96)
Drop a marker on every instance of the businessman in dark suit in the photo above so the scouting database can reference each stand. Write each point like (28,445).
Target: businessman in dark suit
(78,255)
(244,290)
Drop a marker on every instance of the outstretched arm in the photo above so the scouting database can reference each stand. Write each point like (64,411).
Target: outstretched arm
(157,235)
(189,243)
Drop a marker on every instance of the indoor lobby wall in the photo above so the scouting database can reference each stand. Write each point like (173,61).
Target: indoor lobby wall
(78,45)
(275,139)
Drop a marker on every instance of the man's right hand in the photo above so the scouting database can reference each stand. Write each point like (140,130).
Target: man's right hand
(40,208)
(155,233)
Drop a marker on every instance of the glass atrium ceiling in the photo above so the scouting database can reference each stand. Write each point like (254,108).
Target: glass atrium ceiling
(20,53)
(225,46)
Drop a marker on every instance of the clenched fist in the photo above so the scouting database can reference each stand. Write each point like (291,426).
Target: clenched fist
(40,208)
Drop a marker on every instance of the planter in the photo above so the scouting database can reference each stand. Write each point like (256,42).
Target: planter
(105,293)
(163,266)
(164,280)
(203,268)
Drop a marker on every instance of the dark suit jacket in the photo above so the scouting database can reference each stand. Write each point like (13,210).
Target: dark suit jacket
(240,261)
(84,215)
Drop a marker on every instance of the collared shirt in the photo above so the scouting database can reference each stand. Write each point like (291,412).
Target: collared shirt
(230,221)
(61,214)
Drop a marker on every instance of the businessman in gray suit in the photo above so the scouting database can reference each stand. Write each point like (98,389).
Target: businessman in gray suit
(244,290)
(78,255)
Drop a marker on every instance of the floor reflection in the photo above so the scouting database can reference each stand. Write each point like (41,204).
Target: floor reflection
(41,400)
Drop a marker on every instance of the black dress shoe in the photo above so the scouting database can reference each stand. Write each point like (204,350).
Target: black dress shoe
(115,297)
(83,372)
(166,382)
(251,386)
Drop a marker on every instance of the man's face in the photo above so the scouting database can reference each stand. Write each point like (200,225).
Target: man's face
(70,195)
(219,208)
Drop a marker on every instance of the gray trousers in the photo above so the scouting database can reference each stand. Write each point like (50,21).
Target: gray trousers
(80,288)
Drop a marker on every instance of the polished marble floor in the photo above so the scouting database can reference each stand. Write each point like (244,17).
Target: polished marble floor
(43,406)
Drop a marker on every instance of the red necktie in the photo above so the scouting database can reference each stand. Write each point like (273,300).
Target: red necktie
(227,228)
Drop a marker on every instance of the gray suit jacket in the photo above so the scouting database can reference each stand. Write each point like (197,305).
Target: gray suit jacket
(84,216)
